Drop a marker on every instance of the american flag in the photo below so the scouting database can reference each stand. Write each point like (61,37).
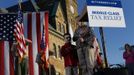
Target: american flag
(44,48)
(33,26)
(19,35)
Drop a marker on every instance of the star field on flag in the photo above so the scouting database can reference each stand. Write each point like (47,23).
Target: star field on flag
(7,22)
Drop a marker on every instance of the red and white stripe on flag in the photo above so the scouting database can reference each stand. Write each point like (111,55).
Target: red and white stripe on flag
(6,59)
(33,25)
(44,45)
(19,35)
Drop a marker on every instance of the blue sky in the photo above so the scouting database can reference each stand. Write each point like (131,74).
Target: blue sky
(114,37)
(6,3)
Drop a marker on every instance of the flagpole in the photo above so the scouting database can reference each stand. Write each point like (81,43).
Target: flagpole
(20,3)
(103,46)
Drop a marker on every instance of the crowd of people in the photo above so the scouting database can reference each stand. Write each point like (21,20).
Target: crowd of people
(79,59)
(84,57)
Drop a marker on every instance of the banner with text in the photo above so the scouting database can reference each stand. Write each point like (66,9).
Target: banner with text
(105,13)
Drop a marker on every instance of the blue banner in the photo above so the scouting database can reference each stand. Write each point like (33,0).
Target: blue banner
(105,3)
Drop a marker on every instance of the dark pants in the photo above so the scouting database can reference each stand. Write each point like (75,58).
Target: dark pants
(130,68)
(17,66)
(21,68)
(42,71)
(24,66)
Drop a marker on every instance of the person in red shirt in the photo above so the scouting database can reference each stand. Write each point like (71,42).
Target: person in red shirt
(128,55)
(69,52)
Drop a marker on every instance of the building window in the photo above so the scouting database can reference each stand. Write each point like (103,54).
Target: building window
(62,29)
(55,51)
(59,52)
(59,26)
